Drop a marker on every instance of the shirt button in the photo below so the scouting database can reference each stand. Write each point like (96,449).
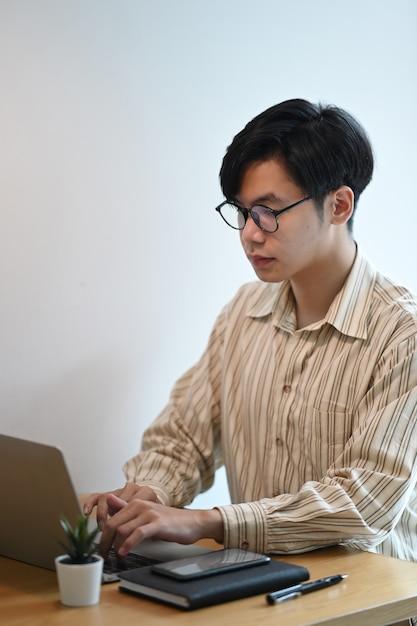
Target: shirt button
(244,545)
(279,441)
(287,388)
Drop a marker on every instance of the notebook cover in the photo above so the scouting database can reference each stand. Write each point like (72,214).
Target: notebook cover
(215,589)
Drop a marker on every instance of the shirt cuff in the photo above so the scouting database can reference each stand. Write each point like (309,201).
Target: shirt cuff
(244,526)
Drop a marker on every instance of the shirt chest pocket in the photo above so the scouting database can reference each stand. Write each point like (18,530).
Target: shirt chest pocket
(324,434)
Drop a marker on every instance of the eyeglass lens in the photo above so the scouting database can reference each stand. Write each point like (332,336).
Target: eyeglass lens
(262,216)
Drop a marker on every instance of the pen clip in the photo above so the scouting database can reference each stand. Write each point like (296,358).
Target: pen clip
(288,596)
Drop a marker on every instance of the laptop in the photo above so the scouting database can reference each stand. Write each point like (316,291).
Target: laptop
(36,490)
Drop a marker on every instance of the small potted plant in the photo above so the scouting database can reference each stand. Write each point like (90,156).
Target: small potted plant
(79,570)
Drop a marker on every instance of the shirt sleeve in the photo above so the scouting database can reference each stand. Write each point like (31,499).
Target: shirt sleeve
(181,450)
(364,494)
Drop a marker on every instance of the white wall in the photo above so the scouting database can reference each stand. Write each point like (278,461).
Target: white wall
(114,118)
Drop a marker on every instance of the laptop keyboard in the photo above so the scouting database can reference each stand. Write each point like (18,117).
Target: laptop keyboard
(114,563)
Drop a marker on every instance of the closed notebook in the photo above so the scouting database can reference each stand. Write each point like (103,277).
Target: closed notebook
(215,589)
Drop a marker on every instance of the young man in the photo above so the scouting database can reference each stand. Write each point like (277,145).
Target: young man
(307,391)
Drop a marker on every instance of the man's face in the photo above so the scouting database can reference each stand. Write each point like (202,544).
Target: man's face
(295,250)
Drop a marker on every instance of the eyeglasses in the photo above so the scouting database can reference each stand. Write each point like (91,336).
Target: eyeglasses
(265,218)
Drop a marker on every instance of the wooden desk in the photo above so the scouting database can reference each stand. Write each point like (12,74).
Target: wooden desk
(379,590)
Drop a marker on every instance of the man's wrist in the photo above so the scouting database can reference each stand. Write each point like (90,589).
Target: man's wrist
(211,523)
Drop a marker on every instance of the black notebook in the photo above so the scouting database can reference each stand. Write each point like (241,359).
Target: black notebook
(215,589)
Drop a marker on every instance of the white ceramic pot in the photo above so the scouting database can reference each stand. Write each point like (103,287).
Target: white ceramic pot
(79,584)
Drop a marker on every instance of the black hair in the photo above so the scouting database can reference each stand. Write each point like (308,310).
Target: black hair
(321,146)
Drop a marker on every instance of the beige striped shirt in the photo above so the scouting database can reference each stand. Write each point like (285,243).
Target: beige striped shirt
(316,427)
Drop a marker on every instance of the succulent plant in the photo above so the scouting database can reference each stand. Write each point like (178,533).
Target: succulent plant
(80,545)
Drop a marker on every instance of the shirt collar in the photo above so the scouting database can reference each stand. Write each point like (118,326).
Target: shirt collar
(348,312)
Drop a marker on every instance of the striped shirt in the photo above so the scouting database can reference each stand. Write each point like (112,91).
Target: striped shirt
(317,427)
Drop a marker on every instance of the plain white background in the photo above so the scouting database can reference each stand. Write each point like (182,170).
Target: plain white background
(114,118)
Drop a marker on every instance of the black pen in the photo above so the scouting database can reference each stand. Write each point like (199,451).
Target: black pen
(299,590)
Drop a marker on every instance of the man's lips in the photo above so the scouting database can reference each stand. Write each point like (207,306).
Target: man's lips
(259,261)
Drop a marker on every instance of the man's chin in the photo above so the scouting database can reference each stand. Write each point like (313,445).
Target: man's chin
(268,277)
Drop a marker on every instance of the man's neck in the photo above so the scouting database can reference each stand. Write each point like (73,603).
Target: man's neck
(314,294)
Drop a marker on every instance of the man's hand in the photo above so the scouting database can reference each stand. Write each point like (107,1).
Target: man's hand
(142,519)
(128,516)
(126,493)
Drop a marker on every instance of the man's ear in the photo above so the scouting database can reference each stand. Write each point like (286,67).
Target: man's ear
(343,200)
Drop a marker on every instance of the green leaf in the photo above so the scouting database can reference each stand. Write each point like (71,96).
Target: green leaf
(80,544)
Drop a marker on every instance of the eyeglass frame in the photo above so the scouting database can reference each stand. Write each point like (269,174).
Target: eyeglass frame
(246,212)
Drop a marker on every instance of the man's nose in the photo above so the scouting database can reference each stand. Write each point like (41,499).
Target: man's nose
(252,232)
